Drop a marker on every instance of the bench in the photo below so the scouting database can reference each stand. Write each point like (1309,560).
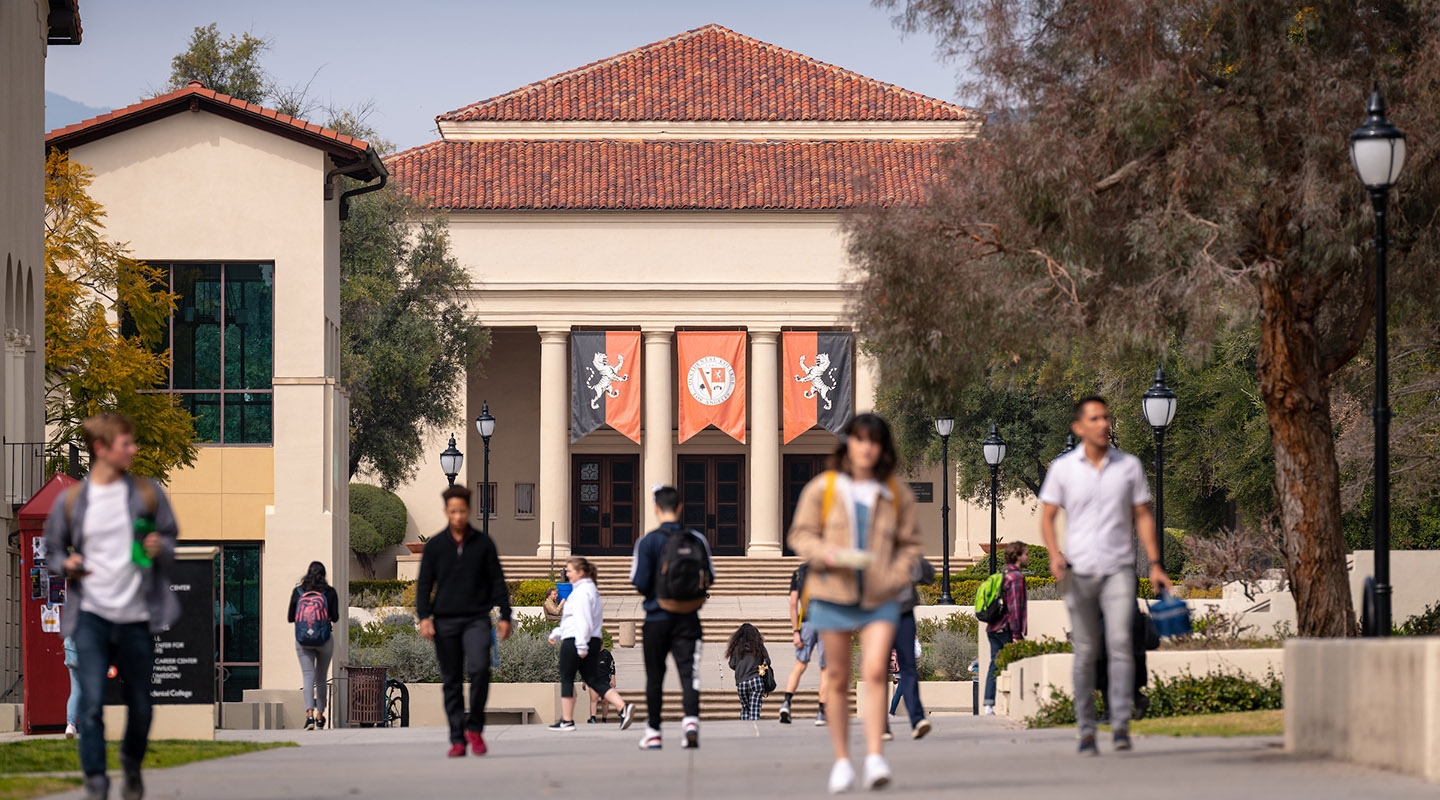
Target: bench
(510,716)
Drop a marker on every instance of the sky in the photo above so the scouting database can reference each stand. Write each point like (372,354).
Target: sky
(415,59)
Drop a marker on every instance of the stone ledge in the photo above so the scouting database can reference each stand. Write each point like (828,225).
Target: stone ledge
(1374,702)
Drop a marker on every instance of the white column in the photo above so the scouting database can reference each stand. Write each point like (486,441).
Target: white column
(765,489)
(866,381)
(659,426)
(554,443)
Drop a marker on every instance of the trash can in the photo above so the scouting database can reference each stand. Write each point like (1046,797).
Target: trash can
(367,695)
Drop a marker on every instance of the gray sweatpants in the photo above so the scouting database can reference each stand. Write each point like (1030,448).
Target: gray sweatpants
(314,661)
(1087,598)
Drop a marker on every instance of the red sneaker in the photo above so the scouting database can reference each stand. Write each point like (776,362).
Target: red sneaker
(456,750)
(477,743)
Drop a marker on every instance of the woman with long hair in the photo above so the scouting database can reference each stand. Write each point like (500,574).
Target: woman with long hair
(747,654)
(855,526)
(580,638)
(314,607)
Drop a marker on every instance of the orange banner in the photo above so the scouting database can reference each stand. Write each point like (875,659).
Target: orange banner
(712,382)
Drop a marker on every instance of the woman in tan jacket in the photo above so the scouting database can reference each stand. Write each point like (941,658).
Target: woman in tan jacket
(855,525)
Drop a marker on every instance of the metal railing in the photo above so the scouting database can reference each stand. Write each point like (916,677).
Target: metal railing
(28,465)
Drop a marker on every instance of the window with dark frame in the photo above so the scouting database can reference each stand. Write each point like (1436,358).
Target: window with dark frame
(221,343)
(525,501)
(485,500)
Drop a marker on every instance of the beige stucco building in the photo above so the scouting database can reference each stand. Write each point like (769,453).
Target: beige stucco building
(241,206)
(697,183)
(27,29)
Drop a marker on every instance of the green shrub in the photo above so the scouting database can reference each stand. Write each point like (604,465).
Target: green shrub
(1426,623)
(1184,695)
(1144,590)
(376,593)
(377,522)
(959,622)
(529,593)
(410,658)
(1028,648)
(537,626)
(526,658)
(948,656)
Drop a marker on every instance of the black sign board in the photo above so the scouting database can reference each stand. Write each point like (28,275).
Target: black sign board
(184,671)
(924,492)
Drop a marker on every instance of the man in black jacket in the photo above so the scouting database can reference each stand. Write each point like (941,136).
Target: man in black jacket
(462,567)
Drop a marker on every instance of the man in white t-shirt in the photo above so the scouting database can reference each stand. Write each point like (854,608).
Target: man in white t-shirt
(1105,496)
(113,536)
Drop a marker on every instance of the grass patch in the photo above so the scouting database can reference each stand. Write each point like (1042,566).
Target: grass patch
(60,755)
(13,788)
(1270,722)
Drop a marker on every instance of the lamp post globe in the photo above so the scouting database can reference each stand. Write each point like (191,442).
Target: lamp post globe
(450,460)
(485,425)
(1159,404)
(945,425)
(993,449)
(1377,150)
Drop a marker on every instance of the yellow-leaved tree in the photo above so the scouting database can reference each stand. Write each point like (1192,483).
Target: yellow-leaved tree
(106,324)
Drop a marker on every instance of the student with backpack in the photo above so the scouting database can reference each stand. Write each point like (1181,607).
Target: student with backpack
(855,525)
(579,637)
(1005,611)
(907,654)
(750,661)
(672,568)
(806,641)
(607,673)
(314,605)
(113,535)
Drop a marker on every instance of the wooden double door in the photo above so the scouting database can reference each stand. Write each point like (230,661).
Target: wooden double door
(605,504)
(712,489)
(798,470)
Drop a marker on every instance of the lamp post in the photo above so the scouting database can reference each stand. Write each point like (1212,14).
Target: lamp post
(994,449)
(485,424)
(450,460)
(1159,406)
(1377,150)
(1069,444)
(944,425)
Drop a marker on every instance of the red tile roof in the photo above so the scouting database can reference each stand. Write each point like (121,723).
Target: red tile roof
(346,149)
(635,175)
(710,73)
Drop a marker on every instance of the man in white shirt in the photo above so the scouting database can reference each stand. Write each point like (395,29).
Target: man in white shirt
(1105,495)
(113,536)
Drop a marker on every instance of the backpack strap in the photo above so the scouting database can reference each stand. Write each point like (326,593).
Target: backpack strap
(70,500)
(828,500)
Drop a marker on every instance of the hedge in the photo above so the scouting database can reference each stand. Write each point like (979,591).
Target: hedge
(530,592)
(1183,695)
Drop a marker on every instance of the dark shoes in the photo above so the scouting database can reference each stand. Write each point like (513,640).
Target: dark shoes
(132,787)
(1087,745)
(320,721)
(97,787)
(1122,741)
(627,716)
(591,721)
(564,725)
(309,723)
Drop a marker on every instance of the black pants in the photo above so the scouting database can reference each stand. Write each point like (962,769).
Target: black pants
(588,667)
(462,646)
(678,637)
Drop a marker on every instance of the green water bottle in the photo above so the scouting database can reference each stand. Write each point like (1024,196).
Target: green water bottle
(144,526)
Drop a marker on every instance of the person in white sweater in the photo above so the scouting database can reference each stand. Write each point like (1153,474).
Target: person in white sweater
(581,623)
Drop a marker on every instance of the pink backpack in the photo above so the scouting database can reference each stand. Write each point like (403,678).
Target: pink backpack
(312,620)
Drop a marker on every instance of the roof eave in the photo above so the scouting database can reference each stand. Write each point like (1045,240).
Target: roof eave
(64,22)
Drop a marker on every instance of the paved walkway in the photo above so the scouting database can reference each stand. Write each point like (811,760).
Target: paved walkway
(966,756)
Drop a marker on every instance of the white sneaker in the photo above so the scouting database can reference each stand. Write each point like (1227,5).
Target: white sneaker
(70,732)
(877,771)
(989,711)
(842,777)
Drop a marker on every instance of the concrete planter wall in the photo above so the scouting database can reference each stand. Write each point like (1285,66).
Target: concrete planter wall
(427,707)
(946,696)
(1374,702)
(1023,685)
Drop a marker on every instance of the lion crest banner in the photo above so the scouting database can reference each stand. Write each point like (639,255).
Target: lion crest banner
(818,373)
(605,383)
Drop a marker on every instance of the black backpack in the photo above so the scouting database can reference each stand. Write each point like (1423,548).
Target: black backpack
(683,577)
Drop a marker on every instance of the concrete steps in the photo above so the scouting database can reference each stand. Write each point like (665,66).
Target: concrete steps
(716,630)
(717,704)
(735,576)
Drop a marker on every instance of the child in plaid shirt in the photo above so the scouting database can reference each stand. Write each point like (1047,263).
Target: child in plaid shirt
(1011,626)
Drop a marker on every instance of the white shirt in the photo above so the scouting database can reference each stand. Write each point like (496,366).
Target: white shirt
(1099,508)
(113,589)
(583,618)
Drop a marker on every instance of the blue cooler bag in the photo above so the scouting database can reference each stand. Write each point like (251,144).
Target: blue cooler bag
(1171,616)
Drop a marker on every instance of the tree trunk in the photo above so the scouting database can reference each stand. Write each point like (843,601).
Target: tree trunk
(1307,477)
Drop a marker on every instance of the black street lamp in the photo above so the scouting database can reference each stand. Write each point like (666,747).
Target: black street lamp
(1159,405)
(1377,149)
(485,424)
(450,460)
(994,450)
(944,425)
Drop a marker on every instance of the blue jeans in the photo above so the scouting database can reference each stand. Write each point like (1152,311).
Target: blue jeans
(997,641)
(130,648)
(909,686)
(72,706)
